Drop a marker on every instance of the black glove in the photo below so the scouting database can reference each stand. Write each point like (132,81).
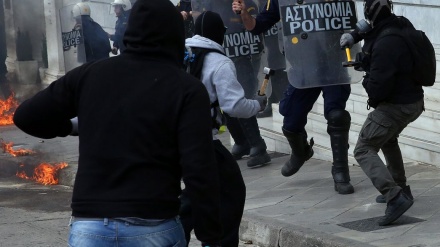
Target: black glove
(346,40)
(372,103)
(262,100)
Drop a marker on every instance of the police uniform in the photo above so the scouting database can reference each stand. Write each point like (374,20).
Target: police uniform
(120,27)
(96,42)
(276,62)
(296,105)
(185,5)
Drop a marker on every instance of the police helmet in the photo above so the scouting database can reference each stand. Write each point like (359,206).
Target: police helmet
(81,9)
(126,4)
(375,10)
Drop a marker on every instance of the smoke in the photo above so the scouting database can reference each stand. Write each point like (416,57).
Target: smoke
(28,18)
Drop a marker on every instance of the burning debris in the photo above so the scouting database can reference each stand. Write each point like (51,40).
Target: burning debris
(7,148)
(44,173)
(7,109)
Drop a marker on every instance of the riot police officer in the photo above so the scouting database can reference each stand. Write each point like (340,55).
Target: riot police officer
(184,6)
(96,44)
(122,10)
(311,76)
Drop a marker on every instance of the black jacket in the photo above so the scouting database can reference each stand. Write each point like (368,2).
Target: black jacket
(388,63)
(143,125)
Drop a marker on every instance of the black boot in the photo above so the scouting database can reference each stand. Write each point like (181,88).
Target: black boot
(395,208)
(394,161)
(301,152)
(258,154)
(338,127)
(405,189)
(241,146)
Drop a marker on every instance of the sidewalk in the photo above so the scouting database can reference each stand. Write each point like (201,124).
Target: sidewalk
(302,210)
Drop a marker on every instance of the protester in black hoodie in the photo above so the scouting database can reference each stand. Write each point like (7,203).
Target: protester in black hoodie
(398,101)
(137,138)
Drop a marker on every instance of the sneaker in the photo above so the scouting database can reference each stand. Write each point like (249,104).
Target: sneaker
(238,151)
(405,189)
(395,208)
(258,160)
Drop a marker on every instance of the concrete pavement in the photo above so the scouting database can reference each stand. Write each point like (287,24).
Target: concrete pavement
(302,210)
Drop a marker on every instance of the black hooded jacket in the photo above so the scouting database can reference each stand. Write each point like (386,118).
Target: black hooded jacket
(388,64)
(143,125)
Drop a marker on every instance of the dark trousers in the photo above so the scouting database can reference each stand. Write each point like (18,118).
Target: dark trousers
(380,130)
(232,198)
(279,83)
(297,103)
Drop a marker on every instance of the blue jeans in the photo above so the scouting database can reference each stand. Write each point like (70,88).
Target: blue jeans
(109,232)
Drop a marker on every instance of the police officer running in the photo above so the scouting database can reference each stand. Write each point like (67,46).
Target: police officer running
(122,10)
(397,100)
(314,76)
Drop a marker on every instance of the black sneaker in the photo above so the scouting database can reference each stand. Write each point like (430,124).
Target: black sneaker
(395,208)
(405,189)
(258,160)
(238,151)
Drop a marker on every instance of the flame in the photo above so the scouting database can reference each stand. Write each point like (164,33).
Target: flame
(44,173)
(7,109)
(7,148)
(22,174)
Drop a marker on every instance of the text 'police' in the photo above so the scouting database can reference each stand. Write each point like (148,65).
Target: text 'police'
(318,17)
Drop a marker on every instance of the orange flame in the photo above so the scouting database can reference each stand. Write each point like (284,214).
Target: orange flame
(22,174)
(44,173)
(7,109)
(7,148)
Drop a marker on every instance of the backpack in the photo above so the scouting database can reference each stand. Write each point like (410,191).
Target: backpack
(422,51)
(193,64)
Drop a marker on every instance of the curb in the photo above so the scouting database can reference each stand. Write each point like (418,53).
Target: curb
(268,232)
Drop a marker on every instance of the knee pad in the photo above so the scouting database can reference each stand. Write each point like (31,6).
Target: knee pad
(338,120)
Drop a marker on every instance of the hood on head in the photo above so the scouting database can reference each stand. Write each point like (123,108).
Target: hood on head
(210,25)
(155,29)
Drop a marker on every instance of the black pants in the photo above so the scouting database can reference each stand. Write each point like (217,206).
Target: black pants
(232,198)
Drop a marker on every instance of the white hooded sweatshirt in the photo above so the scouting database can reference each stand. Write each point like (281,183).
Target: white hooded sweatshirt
(220,79)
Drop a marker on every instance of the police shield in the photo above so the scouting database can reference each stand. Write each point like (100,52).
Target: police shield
(83,37)
(72,38)
(311,33)
(238,42)
(241,46)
